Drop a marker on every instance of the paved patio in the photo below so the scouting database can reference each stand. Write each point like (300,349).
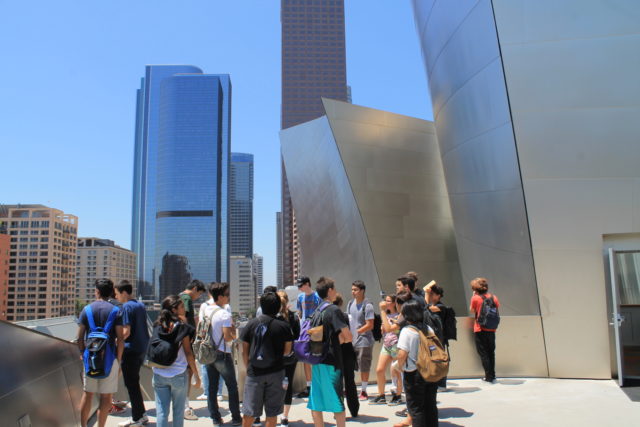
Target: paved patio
(471,402)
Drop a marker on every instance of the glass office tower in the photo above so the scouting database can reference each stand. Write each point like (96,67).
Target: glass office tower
(241,205)
(180,208)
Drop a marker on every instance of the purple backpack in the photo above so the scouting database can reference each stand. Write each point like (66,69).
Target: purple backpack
(307,351)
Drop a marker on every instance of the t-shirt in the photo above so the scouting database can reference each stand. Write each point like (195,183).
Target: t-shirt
(188,308)
(476,305)
(221,319)
(134,315)
(293,321)
(420,300)
(333,321)
(409,341)
(307,304)
(358,317)
(278,333)
(101,310)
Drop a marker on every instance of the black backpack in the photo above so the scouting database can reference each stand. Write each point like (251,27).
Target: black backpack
(450,329)
(489,317)
(377,327)
(432,320)
(261,354)
(164,346)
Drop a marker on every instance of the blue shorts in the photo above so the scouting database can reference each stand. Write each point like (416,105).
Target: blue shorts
(326,389)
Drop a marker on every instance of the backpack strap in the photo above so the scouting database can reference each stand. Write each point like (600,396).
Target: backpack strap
(89,313)
(110,320)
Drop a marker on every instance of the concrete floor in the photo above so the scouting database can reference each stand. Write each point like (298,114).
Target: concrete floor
(471,402)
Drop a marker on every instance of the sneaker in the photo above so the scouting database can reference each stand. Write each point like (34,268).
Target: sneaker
(119,403)
(237,422)
(396,400)
(217,422)
(284,422)
(190,415)
(363,396)
(402,413)
(304,394)
(256,422)
(202,397)
(378,400)
(115,410)
(443,390)
(489,380)
(131,423)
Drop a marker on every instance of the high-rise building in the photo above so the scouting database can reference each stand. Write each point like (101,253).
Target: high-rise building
(279,250)
(5,244)
(258,272)
(181,169)
(313,66)
(42,260)
(243,287)
(98,258)
(241,205)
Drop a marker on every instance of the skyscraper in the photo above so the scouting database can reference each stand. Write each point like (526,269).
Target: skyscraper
(258,272)
(313,66)
(279,250)
(180,190)
(241,205)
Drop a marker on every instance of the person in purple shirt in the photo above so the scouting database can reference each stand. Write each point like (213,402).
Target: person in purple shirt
(307,302)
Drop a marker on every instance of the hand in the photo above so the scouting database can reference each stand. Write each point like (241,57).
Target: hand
(434,309)
(382,305)
(197,383)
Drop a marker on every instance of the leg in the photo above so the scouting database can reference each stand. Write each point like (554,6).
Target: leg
(482,352)
(288,397)
(430,405)
(224,364)
(350,388)
(491,352)
(131,364)
(162,391)
(271,421)
(341,419)
(364,362)
(103,409)
(414,390)
(204,379)
(212,395)
(179,389)
(383,361)
(247,420)
(317,419)
(85,407)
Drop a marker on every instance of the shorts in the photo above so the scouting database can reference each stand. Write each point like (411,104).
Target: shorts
(390,351)
(364,355)
(107,385)
(326,389)
(263,390)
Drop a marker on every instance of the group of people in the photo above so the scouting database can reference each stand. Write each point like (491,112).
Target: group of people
(267,348)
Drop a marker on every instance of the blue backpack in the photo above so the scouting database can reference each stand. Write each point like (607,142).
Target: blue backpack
(305,350)
(99,354)
(489,316)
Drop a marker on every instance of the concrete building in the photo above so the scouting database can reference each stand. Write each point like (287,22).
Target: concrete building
(279,250)
(241,205)
(243,286)
(535,105)
(5,244)
(313,66)
(258,272)
(42,262)
(98,258)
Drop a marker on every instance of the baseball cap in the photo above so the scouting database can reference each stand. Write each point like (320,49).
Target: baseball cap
(302,280)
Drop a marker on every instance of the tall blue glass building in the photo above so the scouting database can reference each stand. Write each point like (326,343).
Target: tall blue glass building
(241,205)
(180,208)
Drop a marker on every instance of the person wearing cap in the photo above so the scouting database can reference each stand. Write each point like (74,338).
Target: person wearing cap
(307,302)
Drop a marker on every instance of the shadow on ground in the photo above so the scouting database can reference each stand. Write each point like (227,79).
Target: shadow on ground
(453,413)
(507,381)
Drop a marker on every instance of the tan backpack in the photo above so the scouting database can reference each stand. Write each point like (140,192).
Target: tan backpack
(433,360)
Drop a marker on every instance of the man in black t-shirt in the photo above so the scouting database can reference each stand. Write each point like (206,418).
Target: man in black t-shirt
(326,378)
(265,340)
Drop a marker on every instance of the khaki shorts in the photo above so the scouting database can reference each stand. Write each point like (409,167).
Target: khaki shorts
(107,385)
(364,356)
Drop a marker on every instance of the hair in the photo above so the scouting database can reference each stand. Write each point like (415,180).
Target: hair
(197,285)
(302,280)
(408,281)
(323,285)
(412,312)
(338,301)
(403,297)
(270,289)
(104,287)
(359,284)
(480,285)
(437,290)
(124,286)
(270,303)
(167,315)
(284,299)
(218,289)
(414,276)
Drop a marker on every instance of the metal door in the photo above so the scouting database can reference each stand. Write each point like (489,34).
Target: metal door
(616,318)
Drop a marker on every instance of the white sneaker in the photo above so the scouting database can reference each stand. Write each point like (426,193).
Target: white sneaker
(131,423)
(190,415)
(202,397)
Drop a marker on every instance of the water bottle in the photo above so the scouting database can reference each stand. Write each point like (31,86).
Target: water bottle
(285,383)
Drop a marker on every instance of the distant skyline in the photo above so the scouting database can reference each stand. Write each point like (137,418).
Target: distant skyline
(67,94)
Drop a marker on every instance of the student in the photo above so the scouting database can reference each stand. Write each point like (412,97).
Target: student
(421,395)
(349,365)
(326,382)
(222,332)
(306,304)
(408,284)
(265,366)
(434,294)
(485,339)
(293,321)
(101,310)
(361,315)
(388,353)
(136,335)
(170,384)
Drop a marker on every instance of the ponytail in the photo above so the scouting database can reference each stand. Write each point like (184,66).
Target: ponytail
(167,315)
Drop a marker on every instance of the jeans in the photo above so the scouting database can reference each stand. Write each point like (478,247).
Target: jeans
(204,378)
(421,400)
(170,392)
(130,365)
(486,348)
(223,366)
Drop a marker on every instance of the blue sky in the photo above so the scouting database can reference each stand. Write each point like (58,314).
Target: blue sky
(70,69)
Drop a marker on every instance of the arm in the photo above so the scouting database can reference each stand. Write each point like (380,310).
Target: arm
(345,335)
(119,342)
(386,326)
(229,333)
(402,358)
(288,348)
(186,345)
(126,331)
(366,327)
(80,337)
(368,323)
(245,353)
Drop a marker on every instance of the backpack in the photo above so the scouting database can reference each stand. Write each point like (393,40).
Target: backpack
(377,320)
(260,355)
(450,329)
(204,349)
(433,321)
(433,360)
(164,346)
(488,317)
(307,351)
(99,353)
